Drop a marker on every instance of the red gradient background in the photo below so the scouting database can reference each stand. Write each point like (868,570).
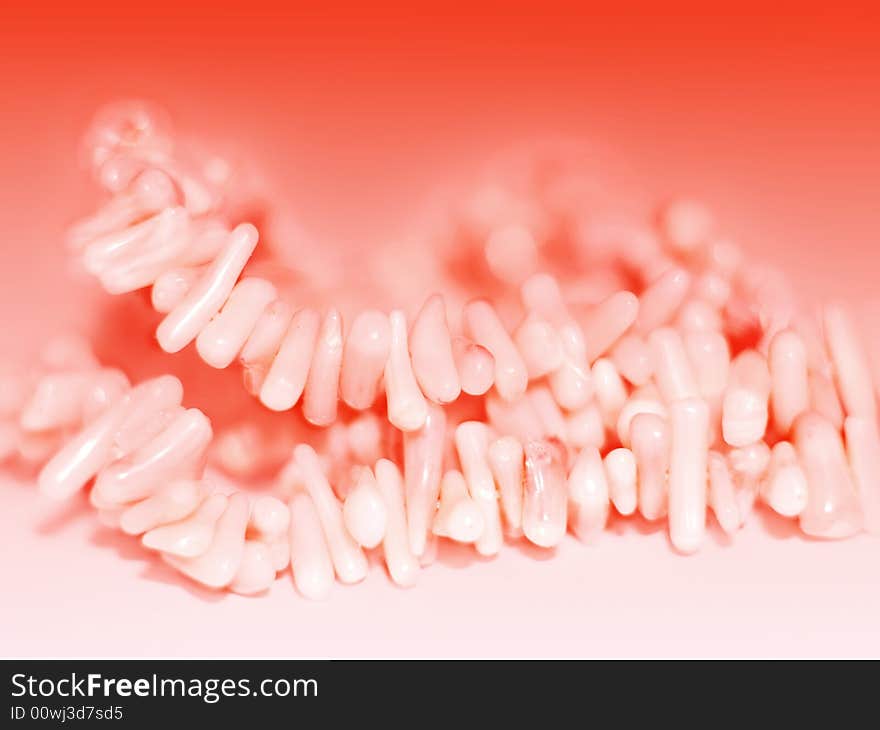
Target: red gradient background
(356,114)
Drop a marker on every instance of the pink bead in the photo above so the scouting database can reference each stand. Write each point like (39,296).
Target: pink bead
(544,515)
(832,509)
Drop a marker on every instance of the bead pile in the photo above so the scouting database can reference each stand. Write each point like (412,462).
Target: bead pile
(641,368)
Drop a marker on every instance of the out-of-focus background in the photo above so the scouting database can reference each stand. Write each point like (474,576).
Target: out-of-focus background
(357,114)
